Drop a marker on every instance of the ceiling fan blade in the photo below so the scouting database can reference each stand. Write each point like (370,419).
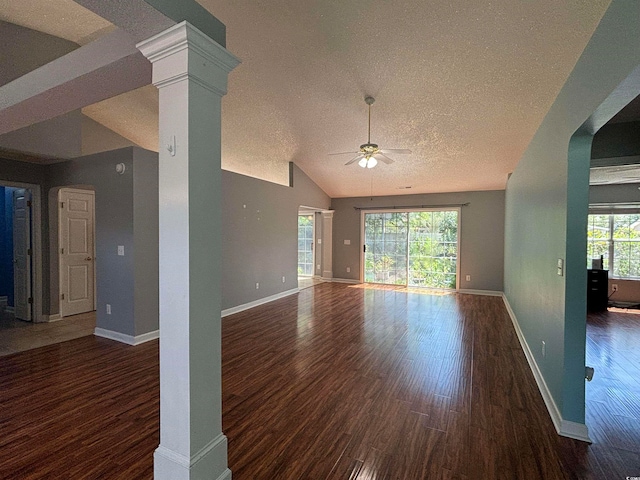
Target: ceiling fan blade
(384,158)
(343,153)
(402,151)
(354,160)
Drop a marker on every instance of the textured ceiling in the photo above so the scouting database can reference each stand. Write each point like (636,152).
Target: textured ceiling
(60,18)
(133,115)
(462,84)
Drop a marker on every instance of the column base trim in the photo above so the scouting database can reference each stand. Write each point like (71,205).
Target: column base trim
(124,338)
(212,458)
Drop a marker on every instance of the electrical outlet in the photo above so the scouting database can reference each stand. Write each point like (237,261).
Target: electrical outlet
(614,287)
(283,279)
(108,309)
(544,349)
(348,269)
(121,250)
(468,278)
(257,285)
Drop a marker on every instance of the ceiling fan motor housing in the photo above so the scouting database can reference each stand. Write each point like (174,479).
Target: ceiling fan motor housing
(369,148)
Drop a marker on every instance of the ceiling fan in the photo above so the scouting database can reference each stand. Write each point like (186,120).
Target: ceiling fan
(369,153)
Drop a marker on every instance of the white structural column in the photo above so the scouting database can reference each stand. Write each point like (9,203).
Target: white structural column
(327,244)
(190,71)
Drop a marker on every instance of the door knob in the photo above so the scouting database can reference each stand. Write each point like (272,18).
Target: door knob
(88,259)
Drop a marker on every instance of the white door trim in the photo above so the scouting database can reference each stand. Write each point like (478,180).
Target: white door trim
(36,236)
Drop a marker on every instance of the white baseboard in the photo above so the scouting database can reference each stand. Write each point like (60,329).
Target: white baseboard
(124,338)
(261,301)
(52,318)
(489,293)
(577,431)
(344,280)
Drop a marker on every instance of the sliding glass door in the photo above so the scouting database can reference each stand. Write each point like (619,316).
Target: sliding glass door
(385,250)
(414,248)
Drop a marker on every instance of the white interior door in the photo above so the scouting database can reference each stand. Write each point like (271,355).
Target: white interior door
(22,253)
(77,265)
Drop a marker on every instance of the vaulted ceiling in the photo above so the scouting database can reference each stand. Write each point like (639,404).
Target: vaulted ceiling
(462,84)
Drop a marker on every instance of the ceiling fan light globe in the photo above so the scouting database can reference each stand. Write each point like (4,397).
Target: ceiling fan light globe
(372,162)
(363,162)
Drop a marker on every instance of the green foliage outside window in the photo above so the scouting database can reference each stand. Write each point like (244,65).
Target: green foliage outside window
(617,239)
(427,239)
(305,245)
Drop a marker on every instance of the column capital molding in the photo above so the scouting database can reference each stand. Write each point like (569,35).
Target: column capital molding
(183,52)
(328,213)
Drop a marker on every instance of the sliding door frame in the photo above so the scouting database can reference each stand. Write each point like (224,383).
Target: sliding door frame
(410,210)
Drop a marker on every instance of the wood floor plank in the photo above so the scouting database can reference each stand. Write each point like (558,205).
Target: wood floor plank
(337,382)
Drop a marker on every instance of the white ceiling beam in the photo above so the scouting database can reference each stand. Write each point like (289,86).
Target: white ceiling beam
(102,69)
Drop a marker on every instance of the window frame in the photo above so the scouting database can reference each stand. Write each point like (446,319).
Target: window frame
(611,240)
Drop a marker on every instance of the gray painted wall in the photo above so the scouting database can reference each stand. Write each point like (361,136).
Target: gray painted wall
(13,171)
(24,50)
(481,233)
(546,211)
(145,240)
(260,234)
(59,137)
(128,283)
(260,241)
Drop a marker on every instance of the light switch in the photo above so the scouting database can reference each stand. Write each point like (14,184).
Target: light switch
(560,267)
(121,250)
(347,242)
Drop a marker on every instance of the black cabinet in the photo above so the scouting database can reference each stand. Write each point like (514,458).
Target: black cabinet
(597,290)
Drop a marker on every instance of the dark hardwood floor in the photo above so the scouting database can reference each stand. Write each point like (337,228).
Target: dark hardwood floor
(337,382)
(613,396)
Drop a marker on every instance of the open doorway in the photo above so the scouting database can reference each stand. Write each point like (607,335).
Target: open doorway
(306,250)
(309,247)
(20,284)
(613,292)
